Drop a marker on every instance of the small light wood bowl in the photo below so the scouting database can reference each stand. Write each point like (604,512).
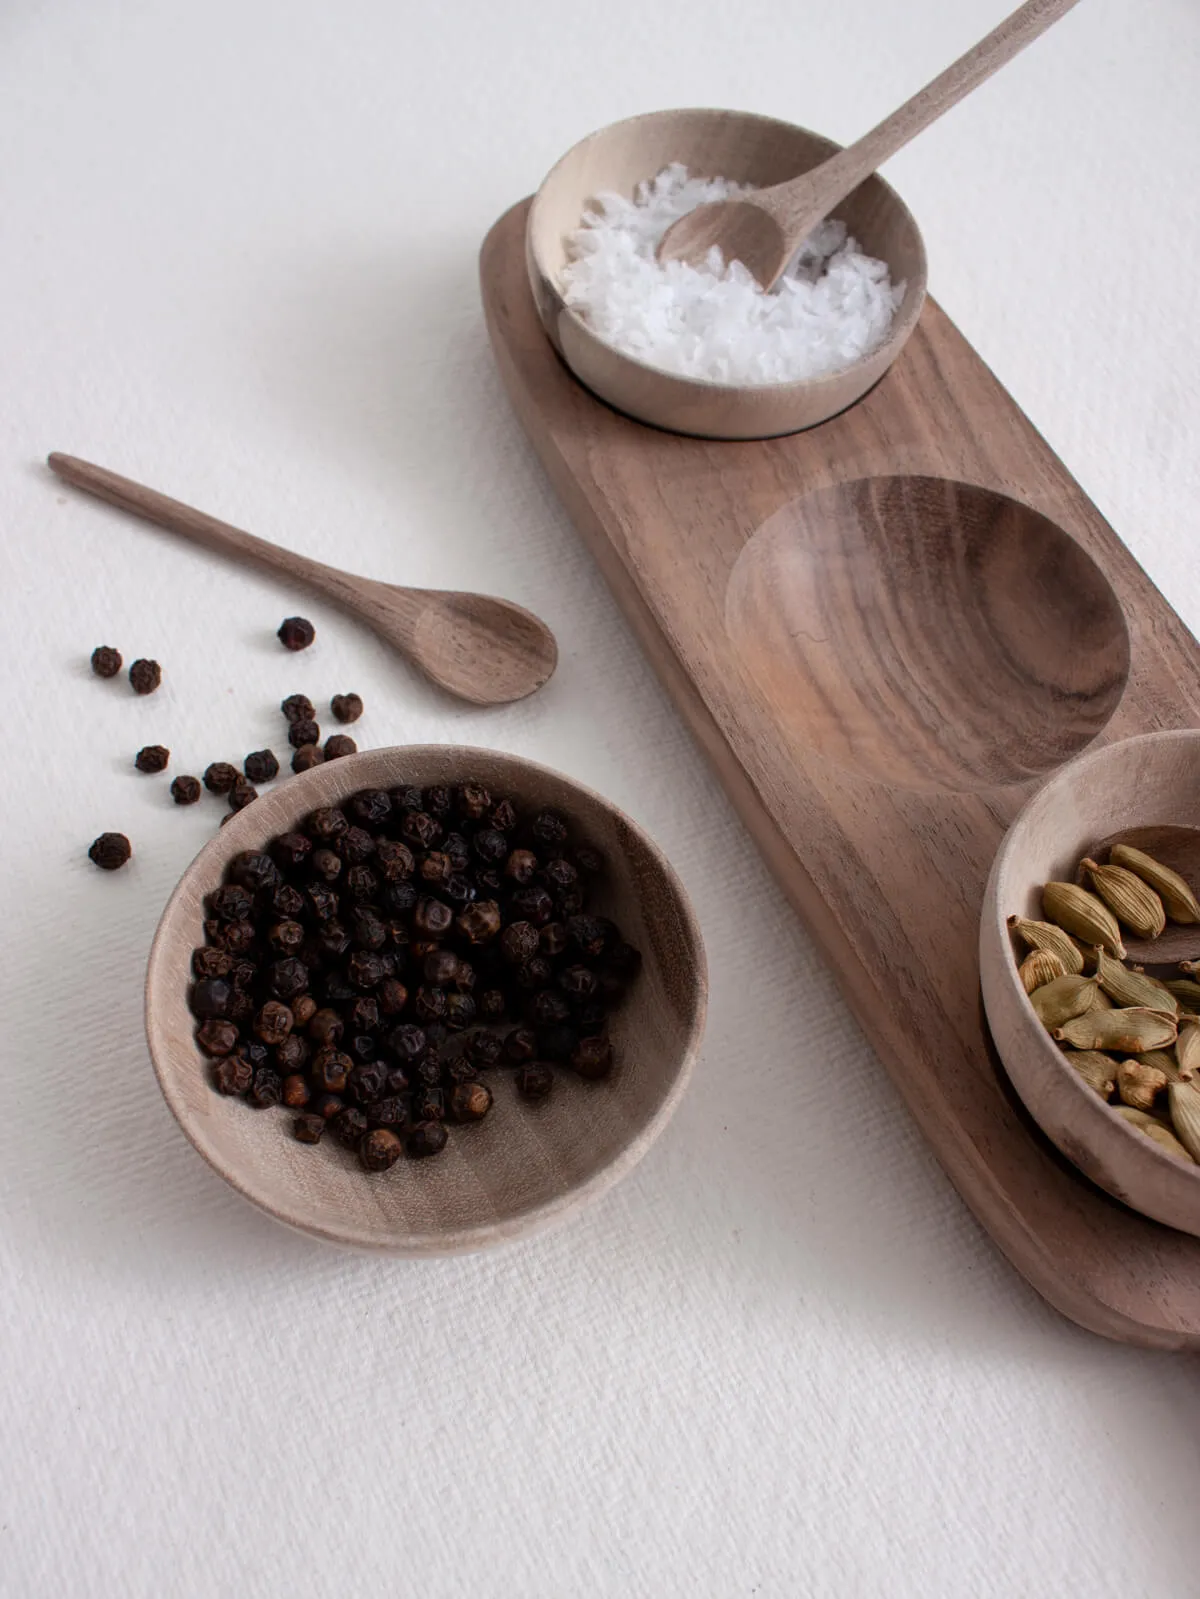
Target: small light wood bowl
(750,149)
(526,1165)
(1100,797)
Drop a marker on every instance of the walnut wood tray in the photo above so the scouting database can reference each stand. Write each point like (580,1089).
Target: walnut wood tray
(884,633)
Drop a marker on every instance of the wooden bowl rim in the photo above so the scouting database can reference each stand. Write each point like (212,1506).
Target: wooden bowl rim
(302,792)
(995,928)
(902,328)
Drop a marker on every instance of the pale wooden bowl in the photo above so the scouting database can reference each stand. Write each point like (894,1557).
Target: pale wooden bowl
(526,1165)
(1121,788)
(750,149)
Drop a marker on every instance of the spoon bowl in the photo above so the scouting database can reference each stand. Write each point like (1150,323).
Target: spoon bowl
(748,149)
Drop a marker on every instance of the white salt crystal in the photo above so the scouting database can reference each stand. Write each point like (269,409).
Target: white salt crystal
(833,306)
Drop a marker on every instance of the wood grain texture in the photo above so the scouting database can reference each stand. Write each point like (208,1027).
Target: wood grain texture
(751,149)
(889,877)
(526,1165)
(484,650)
(763,231)
(1104,796)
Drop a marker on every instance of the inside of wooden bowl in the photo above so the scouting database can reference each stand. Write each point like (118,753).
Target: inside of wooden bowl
(928,634)
(526,1163)
(713,143)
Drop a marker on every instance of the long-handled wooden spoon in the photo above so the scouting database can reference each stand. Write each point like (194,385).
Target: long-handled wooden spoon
(485,650)
(765,229)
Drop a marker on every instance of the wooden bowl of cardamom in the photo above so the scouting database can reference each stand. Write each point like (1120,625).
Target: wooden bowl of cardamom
(1090,925)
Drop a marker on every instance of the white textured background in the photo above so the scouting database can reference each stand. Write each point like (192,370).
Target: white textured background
(237,260)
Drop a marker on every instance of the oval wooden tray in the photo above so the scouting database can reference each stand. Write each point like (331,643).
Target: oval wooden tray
(883,633)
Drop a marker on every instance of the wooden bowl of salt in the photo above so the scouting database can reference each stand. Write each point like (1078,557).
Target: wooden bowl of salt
(744,148)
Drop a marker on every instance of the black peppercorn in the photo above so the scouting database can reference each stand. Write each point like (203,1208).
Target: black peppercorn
(217,1037)
(231,902)
(432,917)
(211,996)
(397,1081)
(266,1089)
(532,904)
(460,1012)
(458,889)
(474,802)
(209,962)
(233,1075)
(389,1111)
(330,1070)
(553,940)
(521,866)
(152,758)
(297,708)
(480,921)
(363,1015)
(292,1054)
(408,798)
(322,901)
(106,662)
(348,1126)
(434,868)
(393,860)
(220,777)
(519,943)
(287,978)
(296,633)
(145,676)
(304,1009)
(326,1105)
(592,1057)
(285,938)
(534,975)
(355,845)
(589,861)
(332,939)
(520,1046)
(457,850)
(547,1008)
(440,967)
(309,1129)
(306,757)
(241,795)
(305,734)
(296,1092)
(346,707)
(110,851)
(273,1022)
(393,996)
(366,1082)
(425,1139)
(439,800)
(291,849)
(504,816)
(492,1004)
(362,1047)
(365,969)
(429,1003)
(241,1007)
(408,1043)
(428,1105)
(254,1053)
(559,875)
(401,897)
(255,872)
(469,1102)
(325,864)
(578,982)
(491,847)
(337,991)
(326,825)
(570,901)
(260,766)
(339,744)
(535,1080)
(421,829)
(379,1149)
(483,1050)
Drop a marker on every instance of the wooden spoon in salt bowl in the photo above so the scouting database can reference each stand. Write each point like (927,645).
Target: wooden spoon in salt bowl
(765,229)
(482,649)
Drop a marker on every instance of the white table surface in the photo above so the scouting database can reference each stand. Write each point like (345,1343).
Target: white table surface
(237,260)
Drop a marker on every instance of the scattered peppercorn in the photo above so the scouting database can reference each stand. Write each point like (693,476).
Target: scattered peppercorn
(241,795)
(306,757)
(379,1150)
(145,676)
(339,744)
(296,633)
(303,731)
(425,1139)
(535,1080)
(260,766)
(106,662)
(592,1057)
(346,707)
(309,1129)
(110,851)
(232,1075)
(152,758)
(185,790)
(297,708)
(220,777)
(469,1102)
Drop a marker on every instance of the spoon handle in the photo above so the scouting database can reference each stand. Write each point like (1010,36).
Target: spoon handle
(206,530)
(846,170)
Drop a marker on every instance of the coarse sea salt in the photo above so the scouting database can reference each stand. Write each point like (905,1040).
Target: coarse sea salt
(833,306)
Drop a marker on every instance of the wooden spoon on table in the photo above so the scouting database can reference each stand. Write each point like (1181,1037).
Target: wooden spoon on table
(485,650)
(765,229)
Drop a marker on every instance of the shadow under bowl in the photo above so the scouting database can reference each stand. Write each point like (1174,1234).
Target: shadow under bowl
(749,149)
(525,1165)
(927,634)
(1137,783)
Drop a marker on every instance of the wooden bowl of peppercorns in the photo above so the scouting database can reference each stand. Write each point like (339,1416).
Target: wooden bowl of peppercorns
(425,952)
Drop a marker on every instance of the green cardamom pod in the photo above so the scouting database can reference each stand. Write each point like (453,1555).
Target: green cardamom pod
(1076,911)
(1040,966)
(1133,902)
(1130,1030)
(1187,1049)
(1060,1000)
(1177,898)
(1186,990)
(1044,935)
(1184,1100)
(1132,988)
(1168,1141)
(1095,1069)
